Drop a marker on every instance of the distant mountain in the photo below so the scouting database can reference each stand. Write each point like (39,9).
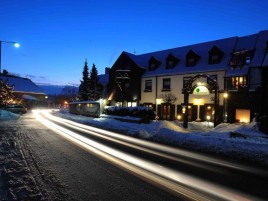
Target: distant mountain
(52,89)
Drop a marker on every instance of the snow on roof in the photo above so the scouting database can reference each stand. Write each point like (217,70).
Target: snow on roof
(255,42)
(237,71)
(22,84)
(201,49)
(261,49)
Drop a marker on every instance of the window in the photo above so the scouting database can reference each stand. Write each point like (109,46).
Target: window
(166,84)
(171,61)
(127,85)
(215,55)
(153,63)
(238,82)
(191,62)
(241,58)
(148,85)
(213,77)
(185,81)
(192,58)
(170,64)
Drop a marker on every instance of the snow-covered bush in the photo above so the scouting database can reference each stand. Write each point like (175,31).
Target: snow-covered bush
(142,112)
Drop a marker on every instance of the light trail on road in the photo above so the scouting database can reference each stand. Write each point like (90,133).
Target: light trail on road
(170,179)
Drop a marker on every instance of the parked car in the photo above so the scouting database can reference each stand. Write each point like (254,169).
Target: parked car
(19,109)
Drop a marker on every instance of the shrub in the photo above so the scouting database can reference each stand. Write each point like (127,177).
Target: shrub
(141,112)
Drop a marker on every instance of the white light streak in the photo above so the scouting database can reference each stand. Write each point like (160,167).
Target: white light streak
(172,180)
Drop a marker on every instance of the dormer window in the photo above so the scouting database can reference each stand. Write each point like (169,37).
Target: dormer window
(241,58)
(192,58)
(215,55)
(153,63)
(171,61)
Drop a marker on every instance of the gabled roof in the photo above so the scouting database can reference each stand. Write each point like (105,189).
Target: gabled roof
(22,84)
(256,42)
(201,49)
(261,49)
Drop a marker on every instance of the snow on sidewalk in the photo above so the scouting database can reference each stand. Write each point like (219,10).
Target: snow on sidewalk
(16,181)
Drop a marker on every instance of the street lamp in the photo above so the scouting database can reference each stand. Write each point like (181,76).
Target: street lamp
(225,96)
(2,41)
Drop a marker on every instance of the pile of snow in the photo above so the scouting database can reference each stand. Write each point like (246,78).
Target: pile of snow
(242,142)
(6,115)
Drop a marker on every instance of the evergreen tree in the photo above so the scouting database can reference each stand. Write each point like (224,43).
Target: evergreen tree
(95,88)
(6,92)
(83,93)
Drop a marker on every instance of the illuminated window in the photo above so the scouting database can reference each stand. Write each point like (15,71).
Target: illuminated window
(132,104)
(239,82)
(242,115)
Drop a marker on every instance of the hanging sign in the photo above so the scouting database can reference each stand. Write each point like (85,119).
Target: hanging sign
(201,90)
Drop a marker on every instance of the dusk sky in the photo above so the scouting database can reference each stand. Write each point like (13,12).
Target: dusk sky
(56,36)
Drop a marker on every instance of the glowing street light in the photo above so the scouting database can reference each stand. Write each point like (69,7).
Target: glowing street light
(225,96)
(2,41)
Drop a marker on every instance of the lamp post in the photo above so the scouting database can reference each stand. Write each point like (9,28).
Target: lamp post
(2,41)
(225,96)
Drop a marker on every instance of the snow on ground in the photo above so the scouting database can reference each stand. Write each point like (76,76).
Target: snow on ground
(16,181)
(6,116)
(241,142)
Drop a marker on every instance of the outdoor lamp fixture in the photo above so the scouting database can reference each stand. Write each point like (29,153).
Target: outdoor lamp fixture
(2,41)
(225,96)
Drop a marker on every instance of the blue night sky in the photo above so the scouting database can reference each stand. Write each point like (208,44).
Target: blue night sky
(56,36)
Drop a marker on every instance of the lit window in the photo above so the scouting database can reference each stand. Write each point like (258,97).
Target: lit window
(242,115)
(239,82)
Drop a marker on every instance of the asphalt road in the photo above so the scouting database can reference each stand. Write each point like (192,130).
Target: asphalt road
(74,162)
(65,171)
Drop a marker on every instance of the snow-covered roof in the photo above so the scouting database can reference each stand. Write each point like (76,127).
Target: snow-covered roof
(261,49)
(22,84)
(256,42)
(201,49)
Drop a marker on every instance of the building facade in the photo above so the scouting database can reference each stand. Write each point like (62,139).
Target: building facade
(221,81)
(25,91)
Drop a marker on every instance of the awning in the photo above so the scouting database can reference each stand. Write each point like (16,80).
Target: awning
(29,97)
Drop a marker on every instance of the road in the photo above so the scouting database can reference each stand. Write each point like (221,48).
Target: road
(65,171)
(75,162)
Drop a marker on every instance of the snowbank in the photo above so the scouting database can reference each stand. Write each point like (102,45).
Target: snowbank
(242,142)
(6,115)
